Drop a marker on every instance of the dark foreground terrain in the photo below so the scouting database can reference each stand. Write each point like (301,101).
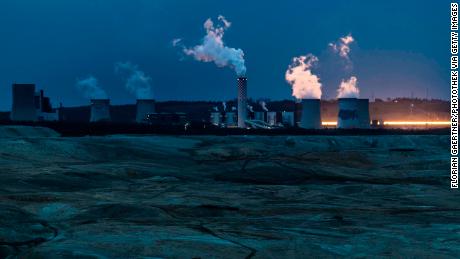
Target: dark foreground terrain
(226,197)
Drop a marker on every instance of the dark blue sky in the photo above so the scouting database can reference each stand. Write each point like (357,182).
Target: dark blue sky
(402,47)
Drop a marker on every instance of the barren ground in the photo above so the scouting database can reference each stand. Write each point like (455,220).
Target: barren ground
(226,197)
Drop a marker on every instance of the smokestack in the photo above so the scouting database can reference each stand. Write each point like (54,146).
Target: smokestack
(242,101)
(310,117)
(24,108)
(144,108)
(100,110)
(348,113)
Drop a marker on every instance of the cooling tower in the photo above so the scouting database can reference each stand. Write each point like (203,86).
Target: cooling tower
(271,118)
(144,107)
(310,117)
(100,110)
(242,101)
(288,119)
(24,105)
(230,119)
(363,113)
(348,113)
(216,118)
(260,116)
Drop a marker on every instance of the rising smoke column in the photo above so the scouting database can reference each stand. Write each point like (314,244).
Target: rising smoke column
(137,82)
(342,46)
(348,88)
(263,105)
(305,84)
(213,49)
(90,88)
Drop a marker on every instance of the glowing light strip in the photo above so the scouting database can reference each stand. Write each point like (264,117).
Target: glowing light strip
(406,123)
(416,123)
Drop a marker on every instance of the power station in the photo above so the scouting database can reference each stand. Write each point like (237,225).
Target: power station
(29,105)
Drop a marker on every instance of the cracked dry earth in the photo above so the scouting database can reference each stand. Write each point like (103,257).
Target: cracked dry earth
(227,197)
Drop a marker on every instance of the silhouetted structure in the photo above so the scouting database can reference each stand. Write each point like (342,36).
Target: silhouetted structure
(242,101)
(24,103)
(310,117)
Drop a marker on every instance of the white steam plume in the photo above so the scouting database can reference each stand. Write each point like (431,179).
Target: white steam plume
(250,108)
(90,88)
(263,105)
(213,49)
(305,85)
(348,88)
(342,46)
(224,105)
(176,42)
(137,82)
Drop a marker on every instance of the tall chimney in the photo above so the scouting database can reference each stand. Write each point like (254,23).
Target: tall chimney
(242,101)
(144,107)
(100,110)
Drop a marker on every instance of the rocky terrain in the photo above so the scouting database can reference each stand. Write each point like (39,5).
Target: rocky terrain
(226,197)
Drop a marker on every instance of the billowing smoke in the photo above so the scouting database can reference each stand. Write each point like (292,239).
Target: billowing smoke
(137,82)
(263,105)
(90,88)
(348,88)
(216,109)
(342,46)
(213,49)
(250,108)
(224,105)
(305,84)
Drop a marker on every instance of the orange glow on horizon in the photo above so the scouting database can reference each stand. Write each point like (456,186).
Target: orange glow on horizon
(401,123)
(416,123)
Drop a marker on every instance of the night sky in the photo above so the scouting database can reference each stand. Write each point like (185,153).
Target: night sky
(402,47)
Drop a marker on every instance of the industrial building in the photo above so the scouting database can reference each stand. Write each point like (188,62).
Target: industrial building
(216,118)
(310,114)
(272,118)
(287,119)
(29,105)
(353,113)
(230,119)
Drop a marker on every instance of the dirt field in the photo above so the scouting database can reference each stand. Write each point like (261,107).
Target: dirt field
(226,197)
